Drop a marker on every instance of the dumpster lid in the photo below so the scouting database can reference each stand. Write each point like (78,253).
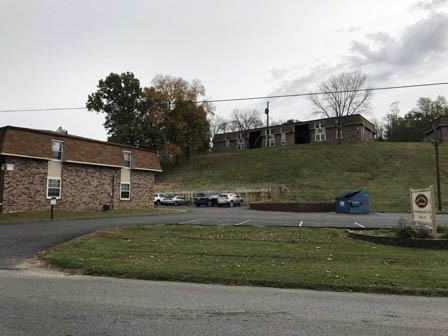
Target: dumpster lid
(348,194)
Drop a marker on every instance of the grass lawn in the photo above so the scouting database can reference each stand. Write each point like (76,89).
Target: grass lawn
(323,259)
(6,218)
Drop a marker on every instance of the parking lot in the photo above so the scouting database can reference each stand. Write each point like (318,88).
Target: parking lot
(244,216)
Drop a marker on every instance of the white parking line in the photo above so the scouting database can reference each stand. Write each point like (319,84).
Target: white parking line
(361,226)
(241,223)
(301,223)
(194,221)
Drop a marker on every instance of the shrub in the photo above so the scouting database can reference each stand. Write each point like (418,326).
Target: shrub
(406,232)
(422,234)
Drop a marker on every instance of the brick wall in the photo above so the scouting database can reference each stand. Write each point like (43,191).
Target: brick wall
(83,187)
(87,187)
(24,187)
(142,192)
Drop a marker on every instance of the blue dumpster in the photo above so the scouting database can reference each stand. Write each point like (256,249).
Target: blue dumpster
(353,202)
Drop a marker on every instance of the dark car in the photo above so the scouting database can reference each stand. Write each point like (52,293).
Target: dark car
(205,199)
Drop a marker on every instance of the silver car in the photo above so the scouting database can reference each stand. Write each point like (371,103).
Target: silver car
(230,199)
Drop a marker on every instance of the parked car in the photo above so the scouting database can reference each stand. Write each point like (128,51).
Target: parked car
(205,199)
(158,198)
(175,200)
(230,199)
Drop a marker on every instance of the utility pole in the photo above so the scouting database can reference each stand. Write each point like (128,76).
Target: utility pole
(268,136)
(437,139)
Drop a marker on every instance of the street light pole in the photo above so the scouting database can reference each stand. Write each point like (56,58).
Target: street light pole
(266,111)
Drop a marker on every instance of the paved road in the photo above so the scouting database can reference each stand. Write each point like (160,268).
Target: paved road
(21,241)
(39,304)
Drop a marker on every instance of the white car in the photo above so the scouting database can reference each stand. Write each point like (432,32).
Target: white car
(159,198)
(175,200)
(230,199)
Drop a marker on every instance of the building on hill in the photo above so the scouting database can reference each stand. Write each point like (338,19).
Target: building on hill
(356,128)
(439,130)
(80,173)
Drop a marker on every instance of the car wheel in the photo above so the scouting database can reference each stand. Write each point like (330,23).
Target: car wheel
(231,204)
(209,204)
(158,202)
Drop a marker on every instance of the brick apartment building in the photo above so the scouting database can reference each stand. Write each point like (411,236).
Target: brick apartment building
(356,128)
(80,173)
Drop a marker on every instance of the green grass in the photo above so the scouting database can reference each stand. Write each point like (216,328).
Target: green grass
(318,172)
(35,216)
(323,259)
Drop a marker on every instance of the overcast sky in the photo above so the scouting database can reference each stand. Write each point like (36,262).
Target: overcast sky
(54,52)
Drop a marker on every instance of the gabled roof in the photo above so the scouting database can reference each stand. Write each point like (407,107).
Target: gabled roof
(32,143)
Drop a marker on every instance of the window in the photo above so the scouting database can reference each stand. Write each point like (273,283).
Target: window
(57,148)
(320,137)
(127,159)
(125,191)
(319,124)
(339,135)
(272,140)
(227,145)
(54,187)
(283,139)
(240,145)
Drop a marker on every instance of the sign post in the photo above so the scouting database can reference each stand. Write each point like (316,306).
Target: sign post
(52,204)
(423,208)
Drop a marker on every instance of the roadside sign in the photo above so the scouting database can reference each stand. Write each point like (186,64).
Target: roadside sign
(423,208)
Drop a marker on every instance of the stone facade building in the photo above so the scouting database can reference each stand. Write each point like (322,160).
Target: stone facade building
(80,173)
(355,128)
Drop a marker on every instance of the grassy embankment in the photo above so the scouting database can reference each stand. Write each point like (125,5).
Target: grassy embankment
(318,172)
(323,259)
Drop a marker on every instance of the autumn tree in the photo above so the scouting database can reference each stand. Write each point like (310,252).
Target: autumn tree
(164,117)
(342,96)
(121,99)
(180,115)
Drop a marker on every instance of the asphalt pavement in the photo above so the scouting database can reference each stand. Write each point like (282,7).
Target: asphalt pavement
(20,241)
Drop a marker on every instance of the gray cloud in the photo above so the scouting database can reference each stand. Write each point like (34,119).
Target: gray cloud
(421,45)
(430,5)
(421,49)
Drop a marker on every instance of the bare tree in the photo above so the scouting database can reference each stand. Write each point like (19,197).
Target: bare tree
(342,96)
(217,125)
(245,119)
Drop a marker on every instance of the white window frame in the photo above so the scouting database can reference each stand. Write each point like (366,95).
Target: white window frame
(54,187)
(241,144)
(339,136)
(127,158)
(320,137)
(122,191)
(57,154)
(283,139)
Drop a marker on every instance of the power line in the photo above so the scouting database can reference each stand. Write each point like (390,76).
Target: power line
(321,93)
(252,98)
(44,109)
